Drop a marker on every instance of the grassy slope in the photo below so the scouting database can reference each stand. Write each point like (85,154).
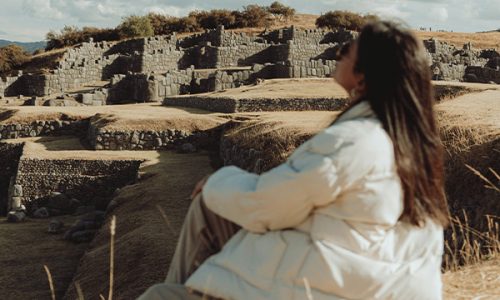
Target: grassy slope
(144,242)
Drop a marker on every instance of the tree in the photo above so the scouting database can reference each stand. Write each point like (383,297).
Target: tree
(281,11)
(135,26)
(335,20)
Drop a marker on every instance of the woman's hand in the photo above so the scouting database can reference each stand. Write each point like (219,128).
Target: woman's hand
(199,186)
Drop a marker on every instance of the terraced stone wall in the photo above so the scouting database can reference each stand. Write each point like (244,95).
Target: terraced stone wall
(86,180)
(140,87)
(448,62)
(232,105)
(170,139)
(91,62)
(482,74)
(43,128)
(8,85)
(9,159)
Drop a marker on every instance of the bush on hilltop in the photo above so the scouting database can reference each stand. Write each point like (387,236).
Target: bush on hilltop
(135,26)
(281,11)
(340,19)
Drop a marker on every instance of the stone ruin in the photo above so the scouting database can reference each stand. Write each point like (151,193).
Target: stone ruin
(450,63)
(149,69)
(153,69)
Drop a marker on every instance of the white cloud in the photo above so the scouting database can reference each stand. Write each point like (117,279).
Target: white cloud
(49,9)
(488,9)
(440,14)
(31,19)
(392,11)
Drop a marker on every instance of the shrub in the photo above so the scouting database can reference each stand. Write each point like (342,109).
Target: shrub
(12,57)
(343,20)
(71,35)
(163,24)
(187,24)
(281,11)
(100,34)
(135,26)
(253,16)
(38,52)
(211,19)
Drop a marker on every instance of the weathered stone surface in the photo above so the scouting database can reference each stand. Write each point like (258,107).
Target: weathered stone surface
(41,213)
(55,226)
(16,216)
(187,148)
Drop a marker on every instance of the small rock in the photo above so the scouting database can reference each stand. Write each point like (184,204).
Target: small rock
(95,216)
(83,236)
(18,190)
(41,213)
(56,212)
(83,210)
(16,216)
(187,148)
(60,202)
(74,204)
(55,226)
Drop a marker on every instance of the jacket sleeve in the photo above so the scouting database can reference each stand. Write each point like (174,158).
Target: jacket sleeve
(280,198)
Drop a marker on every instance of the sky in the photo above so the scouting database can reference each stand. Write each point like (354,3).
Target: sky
(30,20)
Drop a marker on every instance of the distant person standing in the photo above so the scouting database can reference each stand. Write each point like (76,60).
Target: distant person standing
(356,212)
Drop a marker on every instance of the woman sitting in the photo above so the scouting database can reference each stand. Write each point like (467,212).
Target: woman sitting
(356,212)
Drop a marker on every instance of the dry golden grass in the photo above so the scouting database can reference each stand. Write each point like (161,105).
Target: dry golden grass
(473,258)
(144,116)
(482,40)
(477,281)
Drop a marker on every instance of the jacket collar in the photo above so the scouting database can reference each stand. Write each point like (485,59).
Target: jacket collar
(359,110)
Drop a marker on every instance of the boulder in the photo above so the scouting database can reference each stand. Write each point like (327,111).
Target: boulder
(187,148)
(81,210)
(16,216)
(60,202)
(83,236)
(41,213)
(55,226)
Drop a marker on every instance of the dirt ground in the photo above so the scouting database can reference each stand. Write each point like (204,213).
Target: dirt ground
(285,88)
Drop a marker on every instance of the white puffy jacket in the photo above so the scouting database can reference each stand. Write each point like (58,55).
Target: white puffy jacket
(327,219)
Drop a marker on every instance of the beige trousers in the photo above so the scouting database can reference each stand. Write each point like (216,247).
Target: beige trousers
(203,234)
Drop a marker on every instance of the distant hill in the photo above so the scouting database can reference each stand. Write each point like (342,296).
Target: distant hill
(30,47)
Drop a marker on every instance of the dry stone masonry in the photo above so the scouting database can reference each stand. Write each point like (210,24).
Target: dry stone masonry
(149,69)
(450,63)
(86,180)
(44,128)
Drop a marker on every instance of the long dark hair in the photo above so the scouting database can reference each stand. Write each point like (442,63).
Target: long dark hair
(399,89)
